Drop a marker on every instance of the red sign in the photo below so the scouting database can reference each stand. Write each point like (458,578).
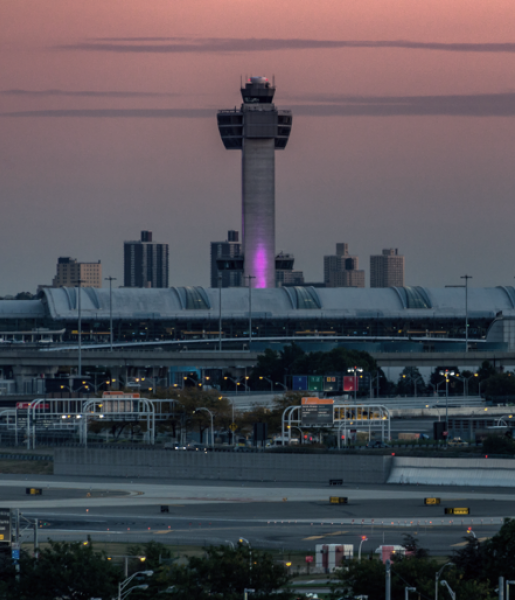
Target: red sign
(27,405)
(350,384)
(309,559)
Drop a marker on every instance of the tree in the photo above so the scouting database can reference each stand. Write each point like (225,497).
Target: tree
(498,444)
(499,387)
(74,571)
(223,573)
(411,545)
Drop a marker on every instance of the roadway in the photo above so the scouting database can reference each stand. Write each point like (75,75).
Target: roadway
(270,515)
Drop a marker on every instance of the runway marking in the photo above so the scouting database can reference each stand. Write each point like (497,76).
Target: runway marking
(163,532)
(319,537)
(483,539)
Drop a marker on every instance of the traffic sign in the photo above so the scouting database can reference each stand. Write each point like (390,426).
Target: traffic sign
(431,500)
(233,427)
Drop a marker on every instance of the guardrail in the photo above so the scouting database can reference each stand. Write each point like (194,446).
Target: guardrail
(7,456)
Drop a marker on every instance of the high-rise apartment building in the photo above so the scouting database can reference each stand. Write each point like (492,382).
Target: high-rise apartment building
(227,261)
(342,269)
(387,269)
(71,273)
(145,263)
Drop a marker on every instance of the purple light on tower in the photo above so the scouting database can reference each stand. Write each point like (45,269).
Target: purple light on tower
(260,268)
(258,129)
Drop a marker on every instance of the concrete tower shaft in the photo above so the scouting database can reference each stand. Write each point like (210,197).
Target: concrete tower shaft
(258,128)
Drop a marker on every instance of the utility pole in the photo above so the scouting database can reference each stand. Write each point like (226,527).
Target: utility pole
(219,312)
(110,279)
(466,278)
(79,326)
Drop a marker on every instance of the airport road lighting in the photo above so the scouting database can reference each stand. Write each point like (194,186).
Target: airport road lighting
(447,374)
(110,279)
(212,424)
(269,381)
(123,592)
(245,541)
(363,539)
(437,577)
(227,378)
(453,594)
(355,370)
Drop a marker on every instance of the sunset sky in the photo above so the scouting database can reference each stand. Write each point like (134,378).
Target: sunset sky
(403,132)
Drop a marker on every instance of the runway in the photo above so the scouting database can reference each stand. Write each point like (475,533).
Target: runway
(268,515)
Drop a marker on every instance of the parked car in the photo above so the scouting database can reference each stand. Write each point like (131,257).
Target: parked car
(457,442)
(377,444)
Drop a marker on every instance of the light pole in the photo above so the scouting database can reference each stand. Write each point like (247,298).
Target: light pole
(243,540)
(355,370)
(270,382)
(508,583)
(233,380)
(79,326)
(466,278)
(219,312)
(447,374)
(250,278)
(453,594)
(110,279)
(468,378)
(407,590)
(212,424)
(363,539)
(437,577)
(282,385)
(123,592)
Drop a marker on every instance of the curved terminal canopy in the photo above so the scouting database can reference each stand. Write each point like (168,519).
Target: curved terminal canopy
(258,90)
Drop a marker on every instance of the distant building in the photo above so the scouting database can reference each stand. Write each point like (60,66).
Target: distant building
(227,261)
(342,269)
(145,263)
(70,273)
(387,269)
(288,277)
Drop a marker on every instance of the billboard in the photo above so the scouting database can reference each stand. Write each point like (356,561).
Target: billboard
(332,383)
(316,412)
(315,383)
(299,383)
(350,383)
(5,526)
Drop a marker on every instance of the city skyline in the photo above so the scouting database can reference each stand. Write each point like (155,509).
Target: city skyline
(107,127)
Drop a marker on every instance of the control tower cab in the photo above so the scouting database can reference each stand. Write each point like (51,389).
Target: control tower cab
(258,128)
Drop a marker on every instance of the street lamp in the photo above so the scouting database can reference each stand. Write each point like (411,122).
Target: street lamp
(437,577)
(355,370)
(468,378)
(79,326)
(243,540)
(110,279)
(508,583)
(270,382)
(233,380)
(212,425)
(447,374)
(123,592)
(363,539)
(407,590)
(453,594)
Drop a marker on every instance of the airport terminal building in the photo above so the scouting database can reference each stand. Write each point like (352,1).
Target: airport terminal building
(391,319)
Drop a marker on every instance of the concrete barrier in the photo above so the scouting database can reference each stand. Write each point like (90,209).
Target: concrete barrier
(166,465)
(478,472)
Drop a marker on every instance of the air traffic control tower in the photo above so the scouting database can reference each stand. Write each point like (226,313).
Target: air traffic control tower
(258,129)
